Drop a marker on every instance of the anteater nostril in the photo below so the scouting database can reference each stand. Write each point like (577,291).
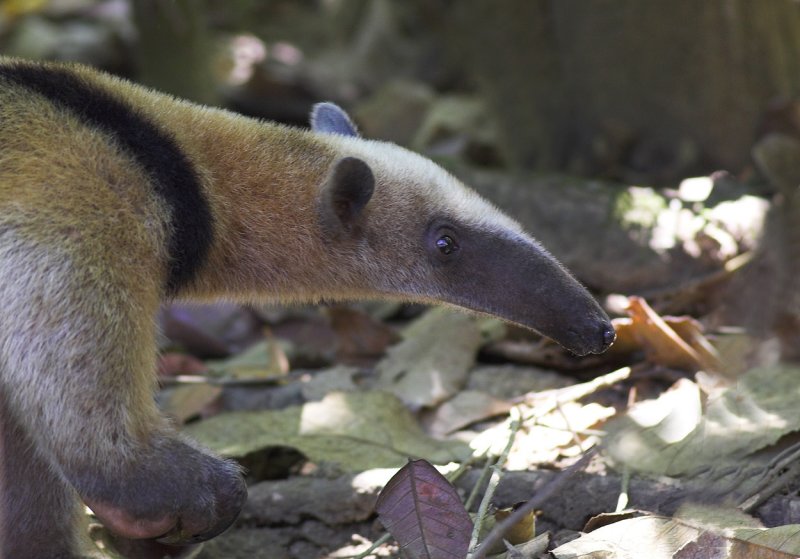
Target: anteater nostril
(608,335)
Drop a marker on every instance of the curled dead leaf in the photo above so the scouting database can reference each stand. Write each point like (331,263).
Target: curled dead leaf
(665,343)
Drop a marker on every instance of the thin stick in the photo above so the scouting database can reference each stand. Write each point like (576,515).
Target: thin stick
(516,423)
(486,471)
(383,539)
(622,500)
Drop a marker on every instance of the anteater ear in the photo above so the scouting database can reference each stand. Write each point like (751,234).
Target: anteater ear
(346,192)
(330,118)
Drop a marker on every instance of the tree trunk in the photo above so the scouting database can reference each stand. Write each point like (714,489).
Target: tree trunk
(664,86)
(175,48)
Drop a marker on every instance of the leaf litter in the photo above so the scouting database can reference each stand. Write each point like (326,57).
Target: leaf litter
(693,533)
(348,431)
(421,383)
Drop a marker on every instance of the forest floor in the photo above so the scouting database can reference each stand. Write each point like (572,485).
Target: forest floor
(696,433)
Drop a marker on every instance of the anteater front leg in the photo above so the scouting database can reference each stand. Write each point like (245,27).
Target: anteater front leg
(78,355)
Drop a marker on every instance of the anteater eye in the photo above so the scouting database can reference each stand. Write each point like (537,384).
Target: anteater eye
(446,244)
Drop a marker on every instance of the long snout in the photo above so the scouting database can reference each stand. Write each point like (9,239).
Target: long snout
(568,314)
(514,278)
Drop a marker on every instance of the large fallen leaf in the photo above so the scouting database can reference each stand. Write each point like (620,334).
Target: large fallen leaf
(674,415)
(507,381)
(747,417)
(430,365)
(700,537)
(463,409)
(356,431)
(424,513)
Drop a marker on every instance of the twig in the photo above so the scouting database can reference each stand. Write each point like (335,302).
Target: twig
(541,497)
(622,501)
(486,471)
(379,542)
(516,423)
(453,476)
(542,403)
(575,438)
(220,381)
(781,469)
(778,483)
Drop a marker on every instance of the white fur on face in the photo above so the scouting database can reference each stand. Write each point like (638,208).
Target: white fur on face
(404,171)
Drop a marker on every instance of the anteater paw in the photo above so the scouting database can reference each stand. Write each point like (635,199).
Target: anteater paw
(174,493)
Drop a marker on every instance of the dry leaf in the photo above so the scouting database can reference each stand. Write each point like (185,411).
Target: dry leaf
(463,409)
(663,345)
(710,533)
(189,400)
(431,364)
(424,513)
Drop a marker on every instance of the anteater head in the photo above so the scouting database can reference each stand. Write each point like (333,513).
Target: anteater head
(411,230)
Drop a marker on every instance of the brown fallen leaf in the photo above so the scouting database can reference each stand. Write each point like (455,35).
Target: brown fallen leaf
(175,364)
(360,338)
(189,400)
(663,345)
(691,331)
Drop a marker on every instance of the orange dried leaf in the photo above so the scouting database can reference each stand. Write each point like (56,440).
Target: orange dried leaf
(661,343)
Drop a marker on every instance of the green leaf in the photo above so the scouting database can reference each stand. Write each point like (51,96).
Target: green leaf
(356,431)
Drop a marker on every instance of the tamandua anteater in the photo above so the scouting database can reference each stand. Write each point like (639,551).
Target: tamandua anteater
(114,198)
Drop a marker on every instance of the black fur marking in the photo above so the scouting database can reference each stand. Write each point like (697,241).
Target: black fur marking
(170,171)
